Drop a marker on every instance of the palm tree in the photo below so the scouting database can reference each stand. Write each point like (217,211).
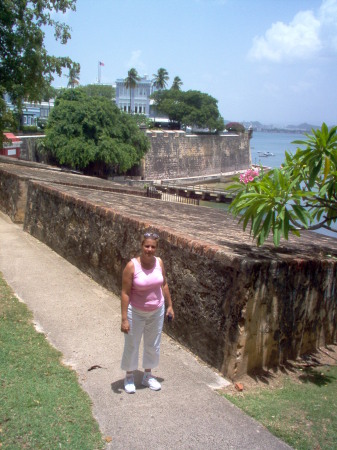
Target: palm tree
(161,78)
(74,75)
(130,82)
(177,83)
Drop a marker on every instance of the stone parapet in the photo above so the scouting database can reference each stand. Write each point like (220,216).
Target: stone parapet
(13,194)
(175,154)
(15,175)
(238,307)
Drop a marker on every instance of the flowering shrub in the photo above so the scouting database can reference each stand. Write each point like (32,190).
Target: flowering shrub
(249,175)
(301,195)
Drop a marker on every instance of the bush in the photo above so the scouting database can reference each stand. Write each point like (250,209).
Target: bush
(235,126)
(29,128)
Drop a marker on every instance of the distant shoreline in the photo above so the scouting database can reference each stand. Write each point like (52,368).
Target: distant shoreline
(280,130)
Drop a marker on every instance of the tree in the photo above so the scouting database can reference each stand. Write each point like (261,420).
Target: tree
(6,118)
(48,93)
(302,194)
(100,90)
(161,78)
(130,82)
(74,76)
(235,126)
(93,135)
(191,108)
(177,83)
(25,66)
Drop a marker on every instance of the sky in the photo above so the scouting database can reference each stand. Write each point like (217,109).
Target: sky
(273,61)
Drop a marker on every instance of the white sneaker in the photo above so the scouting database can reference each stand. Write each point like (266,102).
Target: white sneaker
(129,384)
(150,381)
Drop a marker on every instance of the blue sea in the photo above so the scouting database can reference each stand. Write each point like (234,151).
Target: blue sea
(275,143)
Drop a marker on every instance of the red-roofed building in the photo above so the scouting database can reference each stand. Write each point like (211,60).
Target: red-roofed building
(12,147)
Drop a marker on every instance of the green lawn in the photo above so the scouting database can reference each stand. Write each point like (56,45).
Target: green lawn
(42,404)
(303,414)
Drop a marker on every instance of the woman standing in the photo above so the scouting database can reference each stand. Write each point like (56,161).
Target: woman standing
(144,293)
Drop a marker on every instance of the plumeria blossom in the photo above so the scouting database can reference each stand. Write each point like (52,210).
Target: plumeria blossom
(249,175)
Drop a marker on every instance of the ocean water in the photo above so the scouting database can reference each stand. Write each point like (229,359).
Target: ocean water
(275,143)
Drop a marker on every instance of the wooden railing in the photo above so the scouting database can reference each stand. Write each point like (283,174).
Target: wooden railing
(167,197)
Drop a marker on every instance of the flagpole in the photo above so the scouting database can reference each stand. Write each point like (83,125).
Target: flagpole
(99,72)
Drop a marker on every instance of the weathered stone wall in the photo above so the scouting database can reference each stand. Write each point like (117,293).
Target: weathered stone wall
(14,176)
(29,149)
(238,307)
(13,193)
(174,154)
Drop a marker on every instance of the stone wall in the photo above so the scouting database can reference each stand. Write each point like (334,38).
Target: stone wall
(238,307)
(174,154)
(15,174)
(13,194)
(29,148)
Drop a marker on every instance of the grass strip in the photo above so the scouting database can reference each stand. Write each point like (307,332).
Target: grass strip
(42,404)
(303,414)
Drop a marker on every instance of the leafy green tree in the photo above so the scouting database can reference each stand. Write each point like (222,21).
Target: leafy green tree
(161,78)
(6,118)
(48,93)
(191,108)
(100,90)
(302,194)
(130,82)
(74,76)
(26,69)
(142,121)
(93,135)
(177,83)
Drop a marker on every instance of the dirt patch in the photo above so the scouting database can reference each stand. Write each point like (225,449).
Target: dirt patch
(304,367)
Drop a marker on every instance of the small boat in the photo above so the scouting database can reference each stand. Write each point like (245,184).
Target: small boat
(266,154)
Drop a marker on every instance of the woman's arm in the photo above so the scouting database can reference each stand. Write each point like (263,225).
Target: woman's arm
(166,292)
(125,296)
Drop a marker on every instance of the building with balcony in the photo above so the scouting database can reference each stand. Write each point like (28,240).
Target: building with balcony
(138,100)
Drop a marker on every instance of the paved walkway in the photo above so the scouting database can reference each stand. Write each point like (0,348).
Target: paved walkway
(82,320)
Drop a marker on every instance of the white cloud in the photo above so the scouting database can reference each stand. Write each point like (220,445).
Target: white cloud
(305,37)
(136,62)
(328,12)
(328,18)
(285,42)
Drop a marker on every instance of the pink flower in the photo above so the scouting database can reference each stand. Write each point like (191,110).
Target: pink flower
(249,175)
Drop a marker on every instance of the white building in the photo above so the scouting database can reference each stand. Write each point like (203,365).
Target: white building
(139,96)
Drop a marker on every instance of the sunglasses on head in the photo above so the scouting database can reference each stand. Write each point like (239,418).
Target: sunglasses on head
(151,235)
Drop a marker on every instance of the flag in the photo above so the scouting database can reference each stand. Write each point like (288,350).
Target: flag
(101,63)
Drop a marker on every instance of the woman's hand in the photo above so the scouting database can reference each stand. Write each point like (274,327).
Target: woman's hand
(125,326)
(170,312)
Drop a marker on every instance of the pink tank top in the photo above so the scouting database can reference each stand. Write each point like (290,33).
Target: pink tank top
(146,292)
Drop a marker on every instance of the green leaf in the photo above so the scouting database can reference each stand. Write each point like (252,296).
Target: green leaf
(301,214)
(265,228)
(256,224)
(277,236)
